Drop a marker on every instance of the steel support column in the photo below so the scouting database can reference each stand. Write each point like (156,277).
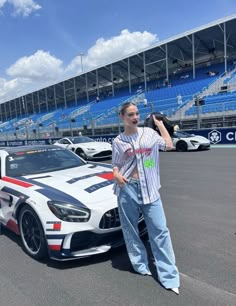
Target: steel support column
(225,47)
(97,83)
(112,81)
(130,89)
(16,108)
(86,84)
(32,97)
(64,94)
(193,56)
(167,65)
(75,92)
(38,102)
(55,96)
(144,71)
(46,99)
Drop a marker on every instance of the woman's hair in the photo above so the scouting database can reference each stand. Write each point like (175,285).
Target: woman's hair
(124,106)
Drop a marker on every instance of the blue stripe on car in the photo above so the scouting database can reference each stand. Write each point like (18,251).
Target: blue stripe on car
(98,186)
(21,198)
(94,165)
(76,179)
(53,193)
(53,237)
(12,191)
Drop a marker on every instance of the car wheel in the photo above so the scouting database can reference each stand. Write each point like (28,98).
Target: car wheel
(32,233)
(181,146)
(81,153)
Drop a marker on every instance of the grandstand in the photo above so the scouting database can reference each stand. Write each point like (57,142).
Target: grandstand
(198,65)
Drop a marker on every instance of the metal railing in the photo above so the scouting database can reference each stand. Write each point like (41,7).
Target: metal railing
(108,120)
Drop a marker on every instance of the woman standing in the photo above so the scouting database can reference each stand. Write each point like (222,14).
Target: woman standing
(135,160)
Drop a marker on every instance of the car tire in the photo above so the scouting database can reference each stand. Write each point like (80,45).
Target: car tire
(81,153)
(181,146)
(32,233)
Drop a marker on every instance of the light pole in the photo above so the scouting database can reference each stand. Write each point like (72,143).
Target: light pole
(81,61)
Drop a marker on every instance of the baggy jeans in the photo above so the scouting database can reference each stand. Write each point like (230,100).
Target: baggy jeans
(130,204)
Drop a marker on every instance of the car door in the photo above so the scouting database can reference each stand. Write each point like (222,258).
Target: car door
(6,203)
(6,200)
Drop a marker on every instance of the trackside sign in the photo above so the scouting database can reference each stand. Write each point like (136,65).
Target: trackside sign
(216,136)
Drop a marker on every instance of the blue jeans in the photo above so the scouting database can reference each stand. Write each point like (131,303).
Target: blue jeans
(130,205)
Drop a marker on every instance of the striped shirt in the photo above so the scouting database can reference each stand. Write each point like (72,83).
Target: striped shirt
(142,150)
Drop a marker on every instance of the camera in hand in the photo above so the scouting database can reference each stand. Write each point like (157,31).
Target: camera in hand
(149,122)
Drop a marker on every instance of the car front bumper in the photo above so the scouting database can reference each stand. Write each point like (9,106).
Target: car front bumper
(98,155)
(204,146)
(88,243)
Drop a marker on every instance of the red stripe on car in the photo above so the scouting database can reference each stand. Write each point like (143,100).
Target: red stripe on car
(16,182)
(13,226)
(107,176)
(57,226)
(54,247)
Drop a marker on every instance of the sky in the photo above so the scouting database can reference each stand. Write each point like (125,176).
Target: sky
(43,42)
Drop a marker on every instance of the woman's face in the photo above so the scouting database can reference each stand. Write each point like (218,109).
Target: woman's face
(131,116)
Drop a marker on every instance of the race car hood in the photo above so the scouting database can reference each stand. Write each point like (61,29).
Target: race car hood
(88,184)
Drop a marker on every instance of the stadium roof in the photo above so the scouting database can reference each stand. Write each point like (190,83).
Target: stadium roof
(205,45)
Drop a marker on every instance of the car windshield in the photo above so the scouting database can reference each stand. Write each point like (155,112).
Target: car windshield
(182,135)
(81,139)
(40,161)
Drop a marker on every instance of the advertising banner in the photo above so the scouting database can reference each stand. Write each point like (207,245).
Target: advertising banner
(216,136)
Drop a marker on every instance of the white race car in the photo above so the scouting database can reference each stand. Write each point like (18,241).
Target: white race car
(60,205)
(86,147)
(183,141)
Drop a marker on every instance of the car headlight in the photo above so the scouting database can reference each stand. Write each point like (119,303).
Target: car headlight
(68,212)
(194,142)
(90,149)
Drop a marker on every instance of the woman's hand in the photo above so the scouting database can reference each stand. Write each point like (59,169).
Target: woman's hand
(164,133)
(157,122)
(120,179)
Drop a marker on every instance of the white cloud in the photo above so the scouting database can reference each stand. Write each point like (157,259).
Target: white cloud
(2,3)
(22,7)
(105,51)
(31,73)
(10,89)
(37,67)
(41,69)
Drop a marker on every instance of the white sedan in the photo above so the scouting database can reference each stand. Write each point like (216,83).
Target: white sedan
(183,142)
(60,205)
(86,147)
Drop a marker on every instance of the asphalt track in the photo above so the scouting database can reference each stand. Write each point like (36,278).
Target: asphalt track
(199,196)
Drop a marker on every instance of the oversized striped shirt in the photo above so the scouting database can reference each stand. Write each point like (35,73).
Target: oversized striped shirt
(142,150)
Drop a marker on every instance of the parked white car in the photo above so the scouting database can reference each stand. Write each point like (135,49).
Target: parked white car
(60,205)
(86,147)
(183,142)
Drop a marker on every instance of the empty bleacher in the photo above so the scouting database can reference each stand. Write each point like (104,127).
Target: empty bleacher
(161,96)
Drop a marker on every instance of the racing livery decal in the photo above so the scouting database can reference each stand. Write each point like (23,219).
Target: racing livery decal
(16,182)
(53,226)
